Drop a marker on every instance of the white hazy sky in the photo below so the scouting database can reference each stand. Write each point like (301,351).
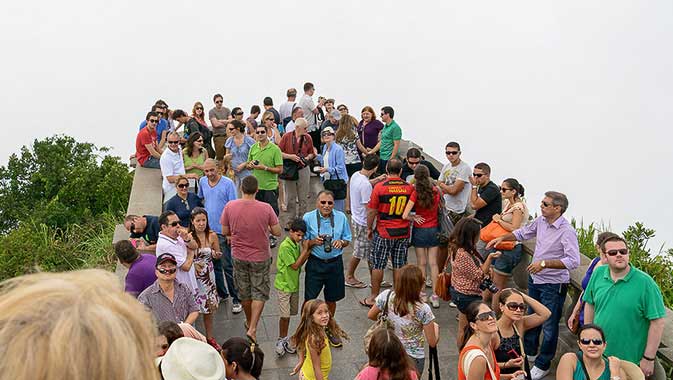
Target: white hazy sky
(573,96)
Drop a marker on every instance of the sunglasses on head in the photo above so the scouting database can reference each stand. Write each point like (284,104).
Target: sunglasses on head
(486,316)
(478,175)
(513,306)
(183,186)
(614,252)
(597,342)
(326,203)
(167,271)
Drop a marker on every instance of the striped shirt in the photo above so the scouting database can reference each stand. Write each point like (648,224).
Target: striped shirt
(162,308)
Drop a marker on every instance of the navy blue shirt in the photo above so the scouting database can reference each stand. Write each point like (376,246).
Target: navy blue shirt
(151,232)
(183,208)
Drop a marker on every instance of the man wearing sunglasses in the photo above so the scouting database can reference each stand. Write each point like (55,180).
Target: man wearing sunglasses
(148,152)
(177,241)
(391,135)
(556,254)
(161,127)
(218,116)
(266,161)
(485,195)
(172,166)
(415,158)
(627,303)
(169,299)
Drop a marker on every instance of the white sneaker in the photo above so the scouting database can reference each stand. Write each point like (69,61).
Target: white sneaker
(280,347)
(531,358)
(236,308)
(288,347)
(434,300)
(452,304)
(537,374)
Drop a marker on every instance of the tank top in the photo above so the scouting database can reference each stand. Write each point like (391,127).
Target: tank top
(579,369)
(506,345)
(462,373)
(325,362)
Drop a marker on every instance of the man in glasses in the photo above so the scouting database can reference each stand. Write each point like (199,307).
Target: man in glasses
(177,241)
(161,127)
(415,158)
(454,180)
(391,135)
(485,195)
(172,166)
(627,303)
(169,299)
(266,161)
(327,234)
(144,231)
(556,254)
(218,117)
(148,152)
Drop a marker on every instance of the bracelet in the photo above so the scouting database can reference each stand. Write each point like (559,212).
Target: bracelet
(187,241)
(648,359)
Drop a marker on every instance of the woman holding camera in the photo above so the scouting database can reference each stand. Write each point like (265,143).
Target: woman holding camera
(469,274)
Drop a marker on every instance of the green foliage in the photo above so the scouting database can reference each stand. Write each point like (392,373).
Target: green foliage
(659,265)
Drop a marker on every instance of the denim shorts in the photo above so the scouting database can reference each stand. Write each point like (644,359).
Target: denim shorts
(505,264)
(462,300)
(425,237)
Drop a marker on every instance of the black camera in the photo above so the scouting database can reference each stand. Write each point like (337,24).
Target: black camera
(487,284)
(256,162)
(326,242)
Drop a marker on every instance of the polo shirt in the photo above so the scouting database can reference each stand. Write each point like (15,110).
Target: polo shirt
(391,133)
(287,279)
(163,309)
(490,193)
(171,164)
(624,310)
(141,274)
(389,198)
(270,156)
(183,207)
(340,231)
(151,232)
(178,248)
(215,198)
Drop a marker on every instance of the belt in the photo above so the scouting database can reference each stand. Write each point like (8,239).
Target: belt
(326,261)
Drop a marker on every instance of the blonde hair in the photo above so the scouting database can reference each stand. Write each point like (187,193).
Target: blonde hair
(75,325)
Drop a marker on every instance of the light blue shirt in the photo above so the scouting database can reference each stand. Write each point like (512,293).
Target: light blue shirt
(215,198)
(239,154)
(341,231)
(337,162)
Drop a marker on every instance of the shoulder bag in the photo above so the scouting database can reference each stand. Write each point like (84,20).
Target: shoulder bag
(336,186)
(434,362)
(291,168)
(445,223)
(381,323)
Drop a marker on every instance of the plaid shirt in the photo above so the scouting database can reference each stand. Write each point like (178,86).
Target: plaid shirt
(162,308)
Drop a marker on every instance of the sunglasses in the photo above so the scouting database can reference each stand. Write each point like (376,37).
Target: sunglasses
(614,252)
(260,132)
(513,306)
(218,102)
(174,224)
(477,175)
(153,121)
(199,108)
(413,163)
(327,134)
(486,316)
(133,227)
(342,109)
(238,114)
(199,140)
(503,189)
(597,342)
(451,152)
(326,203)
(183,186)
(230,129)
(174,142)
(167,271)
(545,204)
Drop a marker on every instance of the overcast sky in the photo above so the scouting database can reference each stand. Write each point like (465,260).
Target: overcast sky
(573,96)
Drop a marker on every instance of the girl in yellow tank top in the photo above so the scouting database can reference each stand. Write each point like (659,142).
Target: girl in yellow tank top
(315,357)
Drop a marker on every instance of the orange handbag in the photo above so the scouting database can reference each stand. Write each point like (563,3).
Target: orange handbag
(442,286)
(495,230)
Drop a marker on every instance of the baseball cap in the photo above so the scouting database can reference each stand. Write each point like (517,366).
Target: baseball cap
(328,129)
(166,257)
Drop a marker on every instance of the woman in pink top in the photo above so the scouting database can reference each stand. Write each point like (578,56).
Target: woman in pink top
(388,360)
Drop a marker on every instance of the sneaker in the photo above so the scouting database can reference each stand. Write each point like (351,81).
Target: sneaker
(273,241)
(452,304)
(537,374)
(287,347)
(280,346)
(434,300)
(334,340)
(531,358)
(428,283)
(386,284)
(214,344)
(236,308)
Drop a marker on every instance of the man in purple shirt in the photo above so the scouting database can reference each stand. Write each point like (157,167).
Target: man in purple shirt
(556,254)
(141,267)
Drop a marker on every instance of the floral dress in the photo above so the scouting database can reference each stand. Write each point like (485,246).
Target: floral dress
(206,294)
(351,152)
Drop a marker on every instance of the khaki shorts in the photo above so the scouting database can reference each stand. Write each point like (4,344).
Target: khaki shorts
(252,279)
(288,304)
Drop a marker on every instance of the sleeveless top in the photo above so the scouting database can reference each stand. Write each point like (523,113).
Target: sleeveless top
(189,161)
(506,345)
(462,374)
(325,362)
(579,369)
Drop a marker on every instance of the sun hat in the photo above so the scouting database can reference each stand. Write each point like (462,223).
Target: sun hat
(191,359)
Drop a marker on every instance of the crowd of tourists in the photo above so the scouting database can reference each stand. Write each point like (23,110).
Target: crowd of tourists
(226,180)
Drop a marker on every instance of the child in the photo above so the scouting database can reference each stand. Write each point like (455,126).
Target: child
(242,359)
(289,265)
(388,360)
(315,356)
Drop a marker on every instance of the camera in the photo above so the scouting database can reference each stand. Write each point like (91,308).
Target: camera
(326,242)
(256,162)
(487,284)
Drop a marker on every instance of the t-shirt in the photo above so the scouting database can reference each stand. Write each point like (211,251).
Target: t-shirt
(249,221)
(369,134)
(624,310)
(141,274)
(389,198)
(374,373)
(408,173)
(271,156)
(285,110)
(361,191)
(162,126)
(449,175)
(410,327)
(490,193)
(151,232)
(239,153)
(306,102)
(391,133)
(215,198)
(183,207)
(143,138)
(219,114)
(429,214)
(171,165)
(287,279)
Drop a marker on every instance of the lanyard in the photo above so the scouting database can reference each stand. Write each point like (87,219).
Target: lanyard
(331,221)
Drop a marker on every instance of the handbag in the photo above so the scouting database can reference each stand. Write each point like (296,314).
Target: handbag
(442,284)
(434,362)
(495,230)
(445,223)
(291,168)
(336,186)
(381,323)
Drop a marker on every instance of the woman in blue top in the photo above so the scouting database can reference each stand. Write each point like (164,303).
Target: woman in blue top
(333,162)
(183,202)
(589,363)
(238,146)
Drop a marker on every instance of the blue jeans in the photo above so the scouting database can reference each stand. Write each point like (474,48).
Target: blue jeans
(152,163)
(552,296)
(225,263)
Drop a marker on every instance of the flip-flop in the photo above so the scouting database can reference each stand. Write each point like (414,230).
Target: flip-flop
(250,339)
(364,303)
(358,284)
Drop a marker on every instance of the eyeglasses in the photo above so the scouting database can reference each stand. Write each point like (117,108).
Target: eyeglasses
(174,142)
(513,306)
(153,121)
(597,342)
(451,152)
(486,316)
(503,189)
(218,102)
(478,175)
(614,252)
(183,186)
(167,271)
(326,203)
(261,132)
(174,224)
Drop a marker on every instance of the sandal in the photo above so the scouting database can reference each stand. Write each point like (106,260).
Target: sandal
(364,303)
(357,284)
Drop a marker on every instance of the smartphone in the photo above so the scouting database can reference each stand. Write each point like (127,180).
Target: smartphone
(513,354)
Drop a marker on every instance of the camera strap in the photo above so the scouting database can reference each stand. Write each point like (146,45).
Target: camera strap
(331,221)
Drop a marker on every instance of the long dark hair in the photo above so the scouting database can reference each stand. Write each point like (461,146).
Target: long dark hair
(248,356)
(425,191)
(387,353)
(189,146)
(514,184)
(471,313)
(199,211)
(464,235)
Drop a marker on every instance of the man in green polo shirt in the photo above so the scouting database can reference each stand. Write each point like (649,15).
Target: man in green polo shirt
(266,162)
(627,304)
(391,135)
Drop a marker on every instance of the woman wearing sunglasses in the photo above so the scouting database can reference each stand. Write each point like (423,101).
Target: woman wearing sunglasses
(477,357)
(512,324)
(589,363)
(183,202)
(194,155)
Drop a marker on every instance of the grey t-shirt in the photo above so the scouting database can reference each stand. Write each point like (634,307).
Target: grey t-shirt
(285,109)
(306,102)
(221,114)
(449,175)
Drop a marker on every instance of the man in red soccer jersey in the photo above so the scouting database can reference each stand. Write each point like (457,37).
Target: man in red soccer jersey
(386,205)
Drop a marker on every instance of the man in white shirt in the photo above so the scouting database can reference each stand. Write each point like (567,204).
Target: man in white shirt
(172,166)
(285,109)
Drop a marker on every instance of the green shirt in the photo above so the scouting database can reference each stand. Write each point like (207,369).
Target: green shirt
(287,279)
(390,133)
(270,156)
(624,310)
(200,160)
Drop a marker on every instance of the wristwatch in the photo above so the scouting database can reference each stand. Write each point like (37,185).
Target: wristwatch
(543,264)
